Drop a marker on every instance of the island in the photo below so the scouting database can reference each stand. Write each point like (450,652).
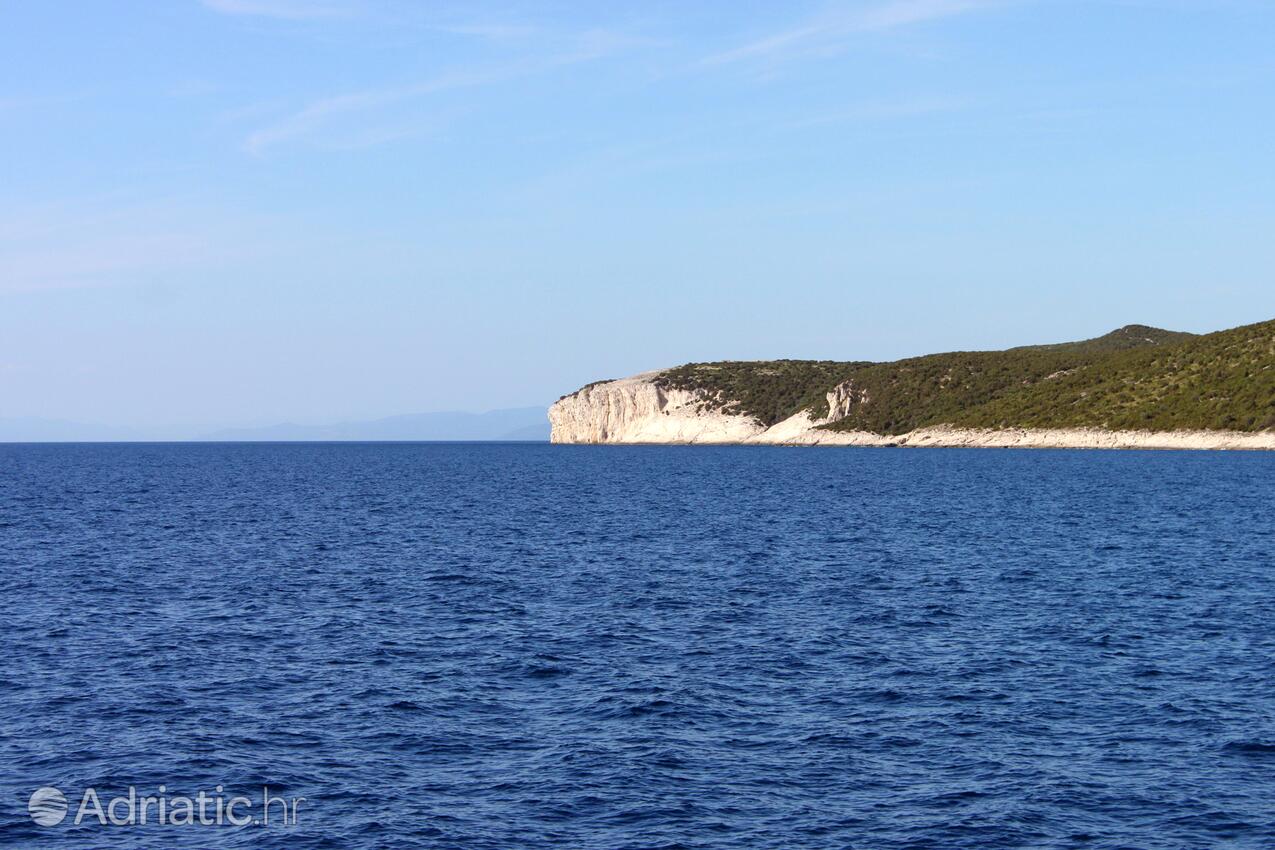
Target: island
(1136,387)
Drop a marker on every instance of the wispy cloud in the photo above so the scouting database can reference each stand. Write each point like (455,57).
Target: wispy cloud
(295,10)
(490,31)
(827,32)
(323,113)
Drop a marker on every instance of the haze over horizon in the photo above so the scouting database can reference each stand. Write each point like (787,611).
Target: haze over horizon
(253,211)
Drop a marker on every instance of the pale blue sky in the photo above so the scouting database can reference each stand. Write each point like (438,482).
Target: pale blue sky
(245,211)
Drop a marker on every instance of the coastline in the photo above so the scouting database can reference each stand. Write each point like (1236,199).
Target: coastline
(1016,438)
(635,411)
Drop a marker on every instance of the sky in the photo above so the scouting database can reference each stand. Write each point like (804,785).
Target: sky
(237,212)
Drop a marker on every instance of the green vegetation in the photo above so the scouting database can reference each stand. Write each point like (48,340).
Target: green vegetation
(769,390)
(1121,339)
(1133,378)
(1220,381)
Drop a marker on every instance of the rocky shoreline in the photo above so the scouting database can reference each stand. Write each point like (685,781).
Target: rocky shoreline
(636,411)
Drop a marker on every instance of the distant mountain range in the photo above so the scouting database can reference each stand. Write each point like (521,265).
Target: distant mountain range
(519,423)
(515,424)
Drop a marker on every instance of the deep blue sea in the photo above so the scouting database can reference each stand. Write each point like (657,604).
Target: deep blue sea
(508,646)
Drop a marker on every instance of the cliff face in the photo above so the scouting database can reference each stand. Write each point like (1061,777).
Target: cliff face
(635,410)
(843,398)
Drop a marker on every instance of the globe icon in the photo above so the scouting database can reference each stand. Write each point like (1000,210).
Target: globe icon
(47,806)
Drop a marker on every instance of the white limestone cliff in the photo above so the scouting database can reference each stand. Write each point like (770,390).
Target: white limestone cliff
(636,410)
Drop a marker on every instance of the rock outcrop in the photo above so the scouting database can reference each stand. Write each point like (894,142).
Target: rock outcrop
(843,398)
(636,410)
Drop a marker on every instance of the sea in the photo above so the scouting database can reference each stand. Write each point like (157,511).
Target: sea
(449,645)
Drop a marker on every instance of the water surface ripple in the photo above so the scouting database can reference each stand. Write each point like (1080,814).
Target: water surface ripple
(496,646)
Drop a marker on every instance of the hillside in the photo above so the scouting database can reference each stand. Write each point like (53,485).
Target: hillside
(1219,381)
(1135,378)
